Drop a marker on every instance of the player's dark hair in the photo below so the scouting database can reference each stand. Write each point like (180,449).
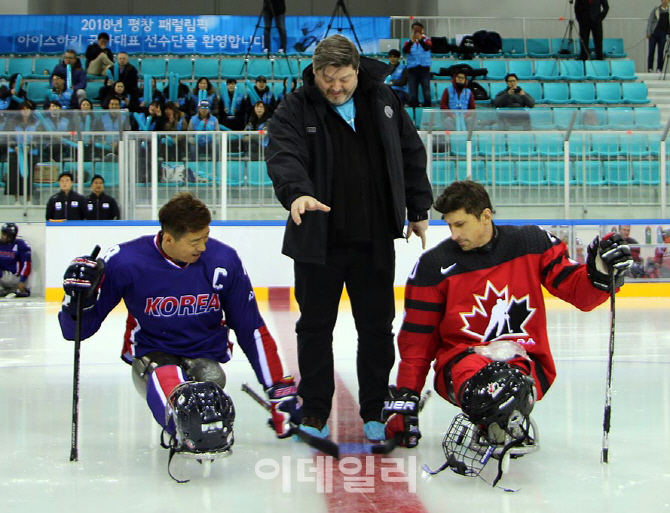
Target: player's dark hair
(95,177)
(184,214)
(510,75)
(467,195)
(66,173)
(394,53)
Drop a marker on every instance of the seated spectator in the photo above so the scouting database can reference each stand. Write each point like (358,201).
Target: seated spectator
(259,116)
(77,72)
(111,121)
(58,146)
(173,147)
(156,95)
(513,96)
(20,170)
(15,263)
(150,121)
(203,121)
(61,92)
(233,115)
(289,87)
(260,92)
(10,98)
(118,90)
(183,98)
(101,206)
(174,118)
(128,74)
(99,58)
(458,96)
(204,90)
(66,204)
(397,79)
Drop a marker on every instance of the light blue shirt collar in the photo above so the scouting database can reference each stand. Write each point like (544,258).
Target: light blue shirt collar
(347,111)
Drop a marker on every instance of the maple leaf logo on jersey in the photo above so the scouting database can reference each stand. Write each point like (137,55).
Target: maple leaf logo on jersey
(495,315)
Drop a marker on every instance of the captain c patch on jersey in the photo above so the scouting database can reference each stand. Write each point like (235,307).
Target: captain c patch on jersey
(495,315)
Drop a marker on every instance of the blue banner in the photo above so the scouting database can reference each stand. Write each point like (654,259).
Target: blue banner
(181,35)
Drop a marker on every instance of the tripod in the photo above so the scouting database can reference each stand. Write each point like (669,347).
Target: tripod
(339,5)
(666,56)
(567,40)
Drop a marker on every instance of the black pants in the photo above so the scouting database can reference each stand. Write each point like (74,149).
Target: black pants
(588,27)
(318,289)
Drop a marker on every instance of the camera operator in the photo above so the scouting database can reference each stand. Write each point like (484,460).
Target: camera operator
(513,96)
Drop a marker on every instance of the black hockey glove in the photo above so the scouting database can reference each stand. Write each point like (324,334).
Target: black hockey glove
(401,413)
(610,252)
(82,277)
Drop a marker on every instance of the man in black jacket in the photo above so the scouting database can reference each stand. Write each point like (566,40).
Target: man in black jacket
(590,15)
(347,162)
(67,204)
(101,206)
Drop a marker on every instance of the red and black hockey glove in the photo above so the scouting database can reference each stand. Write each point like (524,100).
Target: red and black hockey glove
(606,254)
(82,277)
(401,412)
(285,408)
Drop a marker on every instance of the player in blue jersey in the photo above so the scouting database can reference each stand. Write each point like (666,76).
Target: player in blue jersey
(184,292)
(15,263)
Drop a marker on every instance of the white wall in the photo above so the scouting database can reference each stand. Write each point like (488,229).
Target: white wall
(258,246)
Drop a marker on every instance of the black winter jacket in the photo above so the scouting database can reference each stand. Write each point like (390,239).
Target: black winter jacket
(299,158)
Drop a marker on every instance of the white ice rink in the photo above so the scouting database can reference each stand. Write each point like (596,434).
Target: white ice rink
(122,467)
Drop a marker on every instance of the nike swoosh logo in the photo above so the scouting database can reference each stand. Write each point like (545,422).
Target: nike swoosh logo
(445,270)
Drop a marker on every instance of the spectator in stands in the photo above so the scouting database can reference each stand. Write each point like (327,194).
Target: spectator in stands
(99,58)
(174,118)
(418,51)
(20,168)
(203,121)
(232,106)
(260,92)
(183,98)
(61,92)
(101,206)
(274,9)
(110,122)
(258,117)
(10,98)
(66,204)
(658,27)
(513,96)
(118,90)
(15,263)
(78,73)
(398,77)
(457,96)
(173,147)
(204,90)
(128,74)
(156,95)
(152,120)
(590,15)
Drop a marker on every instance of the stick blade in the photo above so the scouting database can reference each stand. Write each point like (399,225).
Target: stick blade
(383,447)
(320,444)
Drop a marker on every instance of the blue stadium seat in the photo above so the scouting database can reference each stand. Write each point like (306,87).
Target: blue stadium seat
(647,172)
(556,172)
(623,69)
(458,144)
(514,47)
(180,66)
(539,47)
(257,173)
(259,66)
(522,69)
(541,118)
(564,47)
(154,66)
(437,64)
(534,89)
(618,172)
(556,92)
(207,68)
(236,169)
(592,118)
(109,171)
(546,70)
(549,144)
(563,116)
(613,47)
(43,64)
(634,144)
(444,172)
(22,65)
(478,171)
(497,69)
(531,172)
(620,118)
(580,145)
(3,67)
(505,173)
(605,145)
(232,67)
(608,92)
(597,70)
(521,144)
(489,143)
(634,92)
(571,70)
(37,91)
(647,117)
(286,68)
(496,87)
(589,172)
(582,92)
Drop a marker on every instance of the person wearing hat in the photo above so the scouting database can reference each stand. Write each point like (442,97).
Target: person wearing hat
(203,121)
(101,206)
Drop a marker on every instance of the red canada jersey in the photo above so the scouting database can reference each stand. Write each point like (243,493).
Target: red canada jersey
(455,300)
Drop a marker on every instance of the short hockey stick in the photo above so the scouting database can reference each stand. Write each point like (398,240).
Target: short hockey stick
(608,387)
(322,444)
(387,446)
(74,450)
